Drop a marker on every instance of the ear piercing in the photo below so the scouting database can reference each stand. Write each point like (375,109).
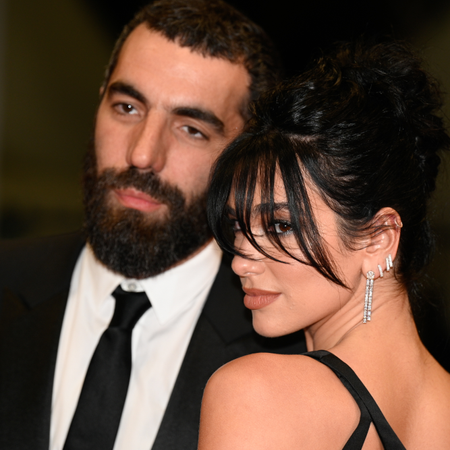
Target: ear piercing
(389,263)
(380,270)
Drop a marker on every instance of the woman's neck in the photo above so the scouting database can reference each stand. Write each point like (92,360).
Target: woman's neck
(391,318)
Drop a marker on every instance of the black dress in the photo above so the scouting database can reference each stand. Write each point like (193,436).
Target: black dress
(370,412)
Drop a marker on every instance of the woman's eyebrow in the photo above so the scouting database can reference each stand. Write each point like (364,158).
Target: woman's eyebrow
(276,207)
(260,208)
(229,211)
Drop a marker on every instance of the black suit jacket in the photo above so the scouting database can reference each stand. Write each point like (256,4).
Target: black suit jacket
(35,279)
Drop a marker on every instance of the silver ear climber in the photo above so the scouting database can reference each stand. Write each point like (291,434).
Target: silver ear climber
(380,270)
(368,297)
(389,263)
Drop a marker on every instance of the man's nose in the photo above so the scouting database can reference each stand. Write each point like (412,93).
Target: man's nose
(149,144)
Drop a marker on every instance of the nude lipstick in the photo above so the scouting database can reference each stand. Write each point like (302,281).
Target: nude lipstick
(258,298)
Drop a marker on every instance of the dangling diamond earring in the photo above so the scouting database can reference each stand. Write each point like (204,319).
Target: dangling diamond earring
(368,297)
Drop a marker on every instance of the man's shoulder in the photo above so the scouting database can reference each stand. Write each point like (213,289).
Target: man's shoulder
(21,256)
(44,246)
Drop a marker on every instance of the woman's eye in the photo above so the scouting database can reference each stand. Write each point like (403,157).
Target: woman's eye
(236,226)
(283,228)
(233,224)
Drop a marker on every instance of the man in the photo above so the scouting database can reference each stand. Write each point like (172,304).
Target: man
(176,92)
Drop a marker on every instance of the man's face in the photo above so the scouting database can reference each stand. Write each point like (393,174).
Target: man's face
(165,116)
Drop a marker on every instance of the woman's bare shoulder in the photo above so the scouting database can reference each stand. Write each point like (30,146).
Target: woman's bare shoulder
(432,429)
(263,399)
(264,370)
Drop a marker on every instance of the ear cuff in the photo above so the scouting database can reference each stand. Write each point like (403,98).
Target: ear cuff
(380,270)
(389,263)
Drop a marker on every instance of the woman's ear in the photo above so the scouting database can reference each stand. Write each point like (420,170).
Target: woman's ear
(382,242)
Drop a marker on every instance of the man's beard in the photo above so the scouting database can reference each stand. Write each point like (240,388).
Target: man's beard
(130,242)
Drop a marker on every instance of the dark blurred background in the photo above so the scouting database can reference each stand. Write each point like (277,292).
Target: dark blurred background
(52,57)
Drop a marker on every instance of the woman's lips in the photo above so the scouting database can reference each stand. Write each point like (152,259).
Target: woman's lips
(258,298)
(132,198)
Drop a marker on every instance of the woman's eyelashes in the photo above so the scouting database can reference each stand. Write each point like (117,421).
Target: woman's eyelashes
(282,228)
(235,225)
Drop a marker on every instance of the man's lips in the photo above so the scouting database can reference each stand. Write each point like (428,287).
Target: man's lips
(258,298)
(132,198)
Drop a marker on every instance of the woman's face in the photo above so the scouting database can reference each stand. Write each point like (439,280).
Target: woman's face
(288,297)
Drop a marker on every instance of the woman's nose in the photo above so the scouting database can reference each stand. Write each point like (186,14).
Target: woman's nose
(252,263)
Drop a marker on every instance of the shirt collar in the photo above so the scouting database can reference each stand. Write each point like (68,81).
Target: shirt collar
(170,292)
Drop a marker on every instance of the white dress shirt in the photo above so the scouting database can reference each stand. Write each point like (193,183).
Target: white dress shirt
(159,342)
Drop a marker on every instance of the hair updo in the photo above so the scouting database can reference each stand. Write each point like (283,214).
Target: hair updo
(362,125)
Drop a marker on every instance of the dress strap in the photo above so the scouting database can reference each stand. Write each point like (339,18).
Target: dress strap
(369,408)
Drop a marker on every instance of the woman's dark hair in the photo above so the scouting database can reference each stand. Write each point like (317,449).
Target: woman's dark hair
(361,128)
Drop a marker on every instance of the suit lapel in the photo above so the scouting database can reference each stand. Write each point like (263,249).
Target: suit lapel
(206,352)
(28,353)
(208,349)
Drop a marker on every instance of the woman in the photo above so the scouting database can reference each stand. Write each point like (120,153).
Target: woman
(326,193)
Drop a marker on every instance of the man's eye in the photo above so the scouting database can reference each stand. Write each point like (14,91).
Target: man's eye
(193,132)
(126,108)
(282,228)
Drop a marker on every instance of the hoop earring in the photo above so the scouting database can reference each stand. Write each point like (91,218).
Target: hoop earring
(368,297)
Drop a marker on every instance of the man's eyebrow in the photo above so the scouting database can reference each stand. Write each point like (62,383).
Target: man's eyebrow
(201,114)
(119,87)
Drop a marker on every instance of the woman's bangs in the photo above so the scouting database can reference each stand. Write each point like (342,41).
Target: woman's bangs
(256,178)
(253,179)
(231,191)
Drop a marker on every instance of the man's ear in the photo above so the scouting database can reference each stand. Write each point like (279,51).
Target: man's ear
(382,241)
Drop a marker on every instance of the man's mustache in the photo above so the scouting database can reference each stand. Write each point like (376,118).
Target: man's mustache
(147,182)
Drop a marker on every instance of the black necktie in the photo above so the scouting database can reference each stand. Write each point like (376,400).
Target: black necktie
(97,416)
